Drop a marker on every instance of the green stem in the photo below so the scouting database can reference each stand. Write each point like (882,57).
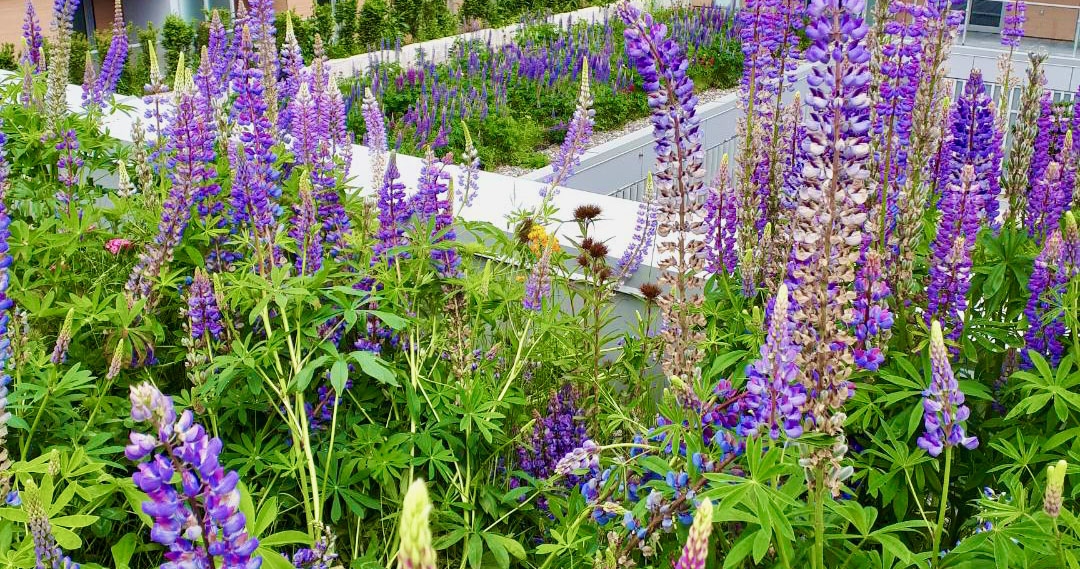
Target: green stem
(33,427)
(941,507)
(819,518)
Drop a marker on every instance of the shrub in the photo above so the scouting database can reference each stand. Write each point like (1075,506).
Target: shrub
(177,36)
(8,59)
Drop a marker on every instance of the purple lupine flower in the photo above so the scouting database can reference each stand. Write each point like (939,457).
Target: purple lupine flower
(974,142)
(6,304)
(1043,153)
(641,242)
(901,73)
(871,317)
(321,556)
(721,222)
(307,232)
(950,258)
(33,41)
(433,207)
(827,227)
(775,398)
(944,411)
(538,285)
(57,67)
(1045,203)
(1012,26)
(584,457)
(578,133)
(680,168)
(190,144)
(374,123)
(89,84)
(113,64)
(205,510)
(554,435)
(1046,326)
(217,46)
(394,211)
(255,190)
(69,163)
(696,551)
(204,316)
(292,72)
(470,169)
(47,552)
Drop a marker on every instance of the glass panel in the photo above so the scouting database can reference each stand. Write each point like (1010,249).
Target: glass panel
(985,13)
(220,5)
(191,9)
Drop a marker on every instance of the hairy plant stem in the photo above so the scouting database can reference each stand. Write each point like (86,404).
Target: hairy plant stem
(819,518)
(941,507)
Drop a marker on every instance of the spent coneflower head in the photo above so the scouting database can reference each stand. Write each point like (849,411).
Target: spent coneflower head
(651,291)
(587,212)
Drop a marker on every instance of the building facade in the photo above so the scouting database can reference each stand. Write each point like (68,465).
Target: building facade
(98,14)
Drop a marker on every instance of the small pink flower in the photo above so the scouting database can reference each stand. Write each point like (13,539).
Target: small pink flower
(116,245)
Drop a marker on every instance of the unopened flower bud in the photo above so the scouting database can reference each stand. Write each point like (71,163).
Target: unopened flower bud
(1055,488)
(416,551)
(63,339)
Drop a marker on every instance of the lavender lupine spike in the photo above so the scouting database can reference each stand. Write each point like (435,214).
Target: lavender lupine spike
(1012,30)
(578,134)
(68,168)
(47,552)
(775,398)
(696,551)
(1044,203)
(33,41)
(1042,153)
(394,211)
(538,285)
(156,96)
(190,144)
(113,64)
(872,318)
(58,63)
(928,129)
(1046,327)
(641,243)
(973,143)
(434,209)
(89,84)
(680,167)
(375,135)
(206,507)
(415,550)
(218,51)
(721,222)
(292,71)
(307,232)
(944,411)
(950,255)
(470,169)
(203,313)
(900,72)
(827,229)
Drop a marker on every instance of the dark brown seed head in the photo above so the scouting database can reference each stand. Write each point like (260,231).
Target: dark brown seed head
(598,250)
(523,229)
(583,260)
(650,291)
(586,212)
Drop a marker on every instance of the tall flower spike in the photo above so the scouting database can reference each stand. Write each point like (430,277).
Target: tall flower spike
(306,231)
(872,319)
(205,510)
(414,530)
(538,285)
(641,243)
(1045,203)
(204,316)
(578,134)
(374,135)
(944,411)
(470,169)
(6,305)
(950,259)
(434,209)
(721,222)
(696,551)
(292,71)
(190,145)
(33,41)
(218,50)
(47,552)
(774,397)
(113,64)
(827,228)
(59,60)
(1024,132)
(89,85)
(1046,327)
(680,167)
(974,143)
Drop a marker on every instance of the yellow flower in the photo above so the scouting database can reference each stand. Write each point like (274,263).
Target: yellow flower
(539,238)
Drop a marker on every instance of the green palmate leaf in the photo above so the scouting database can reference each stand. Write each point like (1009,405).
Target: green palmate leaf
(303,377)
(475,550)
(287,537)
(375,367)
(123,550)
